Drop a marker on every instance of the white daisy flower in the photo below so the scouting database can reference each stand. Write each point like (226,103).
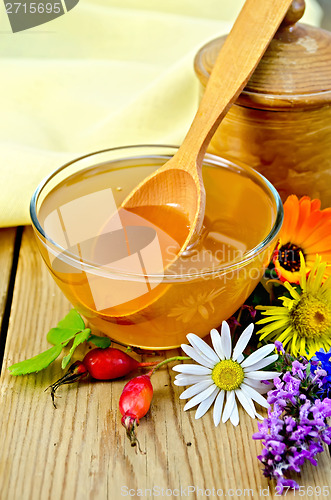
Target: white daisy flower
(223,375)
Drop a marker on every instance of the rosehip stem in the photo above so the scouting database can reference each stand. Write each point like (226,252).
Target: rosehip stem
(166,361)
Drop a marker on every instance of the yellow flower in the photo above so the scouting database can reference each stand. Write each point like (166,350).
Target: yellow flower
(307,230)
(303,323)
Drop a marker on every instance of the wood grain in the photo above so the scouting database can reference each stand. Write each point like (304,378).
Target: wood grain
(7,242)
(80,452)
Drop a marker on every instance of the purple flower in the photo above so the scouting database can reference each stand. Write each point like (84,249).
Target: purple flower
(276,447)
(282,483)
(292,383)
(290,423)
(296,427)
(304,412)
(298,369)
(326,437)
(251,310)
(319,377)
(322,410)
(300,433)
(279,347)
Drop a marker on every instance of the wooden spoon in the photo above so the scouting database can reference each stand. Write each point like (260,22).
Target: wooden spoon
(178,183)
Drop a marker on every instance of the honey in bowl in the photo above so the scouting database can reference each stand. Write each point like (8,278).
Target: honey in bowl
(121,269)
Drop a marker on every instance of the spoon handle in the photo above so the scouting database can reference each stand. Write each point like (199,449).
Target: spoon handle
(244,47)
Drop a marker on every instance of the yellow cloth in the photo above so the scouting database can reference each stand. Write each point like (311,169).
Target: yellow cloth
(107,73)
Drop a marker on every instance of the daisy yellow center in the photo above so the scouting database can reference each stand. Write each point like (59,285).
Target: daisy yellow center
(311,317)
(228,375)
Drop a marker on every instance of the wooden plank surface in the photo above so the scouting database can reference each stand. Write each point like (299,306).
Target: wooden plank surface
(7,242)
(80,451)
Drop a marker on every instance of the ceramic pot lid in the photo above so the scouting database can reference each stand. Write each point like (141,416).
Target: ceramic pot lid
(295,71)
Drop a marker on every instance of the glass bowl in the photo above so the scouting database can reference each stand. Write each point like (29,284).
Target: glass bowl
(112,266)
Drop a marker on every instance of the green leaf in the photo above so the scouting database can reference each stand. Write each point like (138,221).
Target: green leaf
(66,328)
(57,336)
(70,327)
(36,363)
(72,320)
(102,342)
(79,339)
(259,296)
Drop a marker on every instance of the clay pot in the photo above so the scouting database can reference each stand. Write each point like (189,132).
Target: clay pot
(281,122)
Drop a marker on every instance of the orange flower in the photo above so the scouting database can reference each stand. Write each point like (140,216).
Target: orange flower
(306,229)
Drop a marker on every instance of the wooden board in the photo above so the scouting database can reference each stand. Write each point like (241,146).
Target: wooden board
(7,242)
(80,452)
